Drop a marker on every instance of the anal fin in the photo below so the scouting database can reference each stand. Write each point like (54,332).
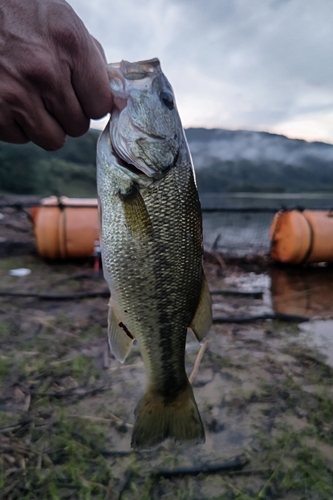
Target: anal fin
(202,319)
(120,338)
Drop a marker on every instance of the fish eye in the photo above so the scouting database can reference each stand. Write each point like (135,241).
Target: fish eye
(167,99)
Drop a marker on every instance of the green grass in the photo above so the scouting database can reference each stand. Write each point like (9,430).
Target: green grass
(296,467)
(62,457)
(59,438)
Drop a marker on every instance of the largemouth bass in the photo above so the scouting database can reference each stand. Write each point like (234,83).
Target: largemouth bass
(151,240)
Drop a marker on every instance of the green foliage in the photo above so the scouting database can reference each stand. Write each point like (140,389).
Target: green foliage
(71,171)
(269,176)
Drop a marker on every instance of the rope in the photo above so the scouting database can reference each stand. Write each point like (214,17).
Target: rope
(30,204)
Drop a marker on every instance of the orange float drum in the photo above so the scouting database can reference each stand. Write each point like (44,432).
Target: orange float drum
(66,227)
(299,237)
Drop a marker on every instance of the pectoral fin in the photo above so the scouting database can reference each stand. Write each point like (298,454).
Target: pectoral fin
(136,214)
(120,338)
(202,319)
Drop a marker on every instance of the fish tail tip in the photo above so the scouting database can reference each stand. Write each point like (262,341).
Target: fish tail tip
(157,421)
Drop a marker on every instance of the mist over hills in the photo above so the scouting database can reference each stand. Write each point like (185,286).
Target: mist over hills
(241,160)
(225,161)
(236,145)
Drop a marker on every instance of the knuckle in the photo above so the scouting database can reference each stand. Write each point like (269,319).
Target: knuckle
(41,72)
(68,32)
(12,95)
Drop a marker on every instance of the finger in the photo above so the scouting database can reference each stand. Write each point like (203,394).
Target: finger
(86,60)
(70,115)
(91,84)
(63,105)
(50,82)
(11,132)
(23,117)
(40,127)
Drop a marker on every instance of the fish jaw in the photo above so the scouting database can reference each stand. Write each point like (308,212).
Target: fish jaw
(146,131)
(111,167)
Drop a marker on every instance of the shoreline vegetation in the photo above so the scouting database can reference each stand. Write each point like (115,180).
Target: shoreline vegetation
(237,163)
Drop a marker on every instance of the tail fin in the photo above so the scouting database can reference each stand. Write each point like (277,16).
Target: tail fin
(157,420)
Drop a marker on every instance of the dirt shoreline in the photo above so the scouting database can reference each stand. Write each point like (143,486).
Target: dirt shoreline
(66,406)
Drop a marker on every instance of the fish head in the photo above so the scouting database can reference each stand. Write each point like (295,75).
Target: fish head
(145,128)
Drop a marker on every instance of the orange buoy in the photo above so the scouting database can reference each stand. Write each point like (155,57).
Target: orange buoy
(302,236)
(66,228)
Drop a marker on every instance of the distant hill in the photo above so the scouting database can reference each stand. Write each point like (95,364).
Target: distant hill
(240,160)
(71,171)
(225,161)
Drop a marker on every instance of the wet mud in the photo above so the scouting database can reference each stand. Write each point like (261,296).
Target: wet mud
(264,391)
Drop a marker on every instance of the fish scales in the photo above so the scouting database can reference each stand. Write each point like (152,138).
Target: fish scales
(152,259)
(156,277)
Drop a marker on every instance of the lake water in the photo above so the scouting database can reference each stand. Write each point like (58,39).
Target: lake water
(306,292)
(244,233)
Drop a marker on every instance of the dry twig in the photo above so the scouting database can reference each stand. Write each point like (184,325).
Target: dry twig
(249,319)
(255,294)
(120,421)
(233,464)
(198,361)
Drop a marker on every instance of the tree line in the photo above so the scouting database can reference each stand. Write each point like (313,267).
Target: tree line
(71,171)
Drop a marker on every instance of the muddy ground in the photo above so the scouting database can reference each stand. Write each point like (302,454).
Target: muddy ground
(66,406)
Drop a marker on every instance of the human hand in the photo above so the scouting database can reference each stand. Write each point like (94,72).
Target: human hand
(53,74)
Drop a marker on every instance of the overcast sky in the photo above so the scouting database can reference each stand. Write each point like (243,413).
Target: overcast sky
(238,64)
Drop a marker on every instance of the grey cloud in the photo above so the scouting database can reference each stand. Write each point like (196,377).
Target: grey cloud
(240,63)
